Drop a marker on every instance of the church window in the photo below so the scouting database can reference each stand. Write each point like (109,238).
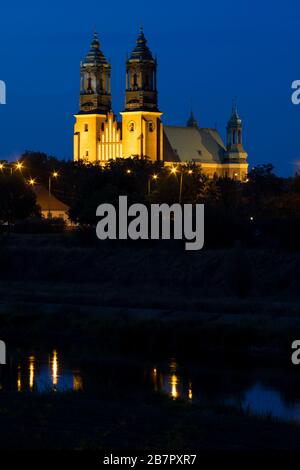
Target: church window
(135,80)
(239,137)
(234,137)
(147,82)
(151,126)
(131,126)
(87,153)
(86,128)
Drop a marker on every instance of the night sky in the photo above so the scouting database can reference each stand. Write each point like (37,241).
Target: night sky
(208,53)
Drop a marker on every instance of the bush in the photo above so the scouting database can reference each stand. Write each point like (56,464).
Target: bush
(37,225)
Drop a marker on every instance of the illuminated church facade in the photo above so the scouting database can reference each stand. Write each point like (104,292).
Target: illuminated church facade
(100,137)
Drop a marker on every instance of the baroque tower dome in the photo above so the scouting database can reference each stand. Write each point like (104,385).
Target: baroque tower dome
(141,76)
(95,71)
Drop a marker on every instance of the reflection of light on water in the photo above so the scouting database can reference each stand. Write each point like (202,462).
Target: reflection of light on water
(190,391)
(171,383)
(54,364)
(173,365)
(77,382)
(174,383)
(19,382)
(154,378)
(174,380)
(31,372)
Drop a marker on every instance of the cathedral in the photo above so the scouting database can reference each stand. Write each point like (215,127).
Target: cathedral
(100,137)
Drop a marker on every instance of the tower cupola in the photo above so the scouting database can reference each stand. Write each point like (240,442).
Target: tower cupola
(141,74)
(95,72)
(234,148)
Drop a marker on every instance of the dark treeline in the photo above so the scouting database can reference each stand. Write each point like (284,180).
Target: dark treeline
(265,208)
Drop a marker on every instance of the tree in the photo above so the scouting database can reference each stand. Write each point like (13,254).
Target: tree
(17,200)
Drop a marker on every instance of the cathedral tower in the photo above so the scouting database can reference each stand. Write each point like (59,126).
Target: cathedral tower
(97,135)
(142,128)
(95,94)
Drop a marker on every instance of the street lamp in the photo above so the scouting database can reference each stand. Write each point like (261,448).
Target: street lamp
(154,177)
(52,175)
(19,166)
(31,181)
(174,171)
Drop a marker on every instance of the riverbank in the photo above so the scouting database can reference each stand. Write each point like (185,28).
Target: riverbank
(86,314)
(154,423)
(235,307)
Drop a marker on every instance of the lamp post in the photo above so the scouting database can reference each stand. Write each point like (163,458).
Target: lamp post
(154,177)
(174,172)
(31,181)
(52,175)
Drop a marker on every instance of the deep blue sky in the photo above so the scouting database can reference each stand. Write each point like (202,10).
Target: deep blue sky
(208,52)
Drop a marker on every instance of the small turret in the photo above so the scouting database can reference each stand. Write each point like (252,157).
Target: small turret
(234,149)
(192,121)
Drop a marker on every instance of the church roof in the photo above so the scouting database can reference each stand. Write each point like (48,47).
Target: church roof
(192,144)
(141,50)
(95,55)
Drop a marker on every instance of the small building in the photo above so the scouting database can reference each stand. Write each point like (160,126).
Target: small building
(51,207)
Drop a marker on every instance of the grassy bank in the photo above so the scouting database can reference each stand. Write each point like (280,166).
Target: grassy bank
(152,422)
(139,297)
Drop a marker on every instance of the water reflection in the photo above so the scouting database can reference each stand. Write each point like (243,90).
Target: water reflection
(54,367)
(259,391)
(171,383)
(19,380)
(31,372)
(34,374)
(77,381)
(243,391)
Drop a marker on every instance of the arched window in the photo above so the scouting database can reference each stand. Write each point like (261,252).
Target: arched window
(234,136)
(135,80)
(239,137)
(147,82)
(131,126)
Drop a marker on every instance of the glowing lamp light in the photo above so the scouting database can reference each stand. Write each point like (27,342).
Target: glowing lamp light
(190,172)
(155,177)
(174,171)
(19,166)
(55,174)
(31,182)
(128,172)
(1,166)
